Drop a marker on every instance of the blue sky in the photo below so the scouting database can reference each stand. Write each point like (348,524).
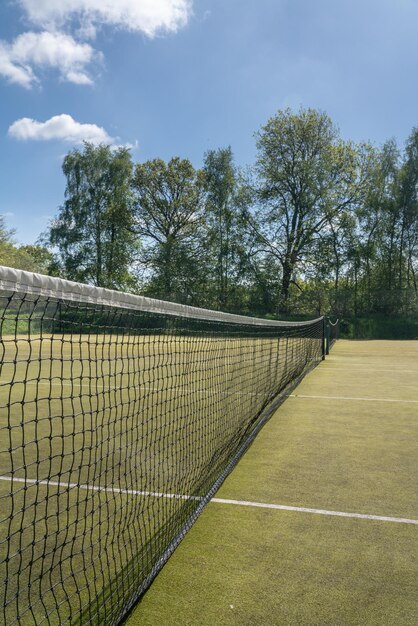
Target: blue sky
(178,77)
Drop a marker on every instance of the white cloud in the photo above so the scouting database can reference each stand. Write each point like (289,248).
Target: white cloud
(22,59)
(60,127)
(45,50)
(147,16)
(22,75)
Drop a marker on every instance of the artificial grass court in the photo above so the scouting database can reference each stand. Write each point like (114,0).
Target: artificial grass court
(345,441)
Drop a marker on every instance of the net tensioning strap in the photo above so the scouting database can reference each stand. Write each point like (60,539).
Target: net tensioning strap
(120,416)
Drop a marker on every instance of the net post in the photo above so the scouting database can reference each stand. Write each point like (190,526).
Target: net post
(323,338)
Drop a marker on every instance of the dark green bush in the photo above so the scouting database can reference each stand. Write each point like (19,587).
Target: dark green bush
(379,328)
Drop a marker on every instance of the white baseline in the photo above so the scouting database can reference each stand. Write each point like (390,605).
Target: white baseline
(300,395)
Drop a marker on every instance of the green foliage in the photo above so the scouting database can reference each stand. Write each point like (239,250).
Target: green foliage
(224,229)
(379,328)
(316,226)
(307,178)
(169,205)
(93,231)
(43,258)
(29,258)
(14,256)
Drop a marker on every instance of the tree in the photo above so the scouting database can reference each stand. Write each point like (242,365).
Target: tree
(13,255)
(223,226)
(168,216)
(6,234)
(306,177)
(43,259)
(93,232)
(408,200)
(373,248)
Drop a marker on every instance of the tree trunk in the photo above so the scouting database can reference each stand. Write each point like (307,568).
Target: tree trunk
(401,246)
(337,275)
(284,289)
(355,288)
(390,259)
(168,269)
(98,248)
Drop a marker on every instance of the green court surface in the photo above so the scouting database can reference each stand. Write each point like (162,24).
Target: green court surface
(346,441)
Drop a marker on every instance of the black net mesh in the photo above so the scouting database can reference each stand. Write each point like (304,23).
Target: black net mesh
(117,426)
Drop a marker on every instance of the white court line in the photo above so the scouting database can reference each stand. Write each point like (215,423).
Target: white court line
(371,371)
(363,365)
(135,492)
(294,395)
(155,389)
(282,507)
(175,496)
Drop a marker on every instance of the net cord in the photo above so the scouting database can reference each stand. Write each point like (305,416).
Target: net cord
(19,281)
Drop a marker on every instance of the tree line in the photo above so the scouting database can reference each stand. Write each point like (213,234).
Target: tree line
(316,225)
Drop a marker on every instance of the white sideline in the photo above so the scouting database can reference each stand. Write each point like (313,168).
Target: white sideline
(175,496)
(300,395)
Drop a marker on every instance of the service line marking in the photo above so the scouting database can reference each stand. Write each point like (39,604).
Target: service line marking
(298,509)
(371,371)
(364,365)
(175,496)
(300,395)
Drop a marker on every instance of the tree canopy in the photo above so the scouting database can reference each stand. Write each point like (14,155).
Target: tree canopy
(34,258)
(317,224)
(168,210)
(93,232)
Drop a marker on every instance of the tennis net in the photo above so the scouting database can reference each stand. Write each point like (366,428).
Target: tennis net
(120,416)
